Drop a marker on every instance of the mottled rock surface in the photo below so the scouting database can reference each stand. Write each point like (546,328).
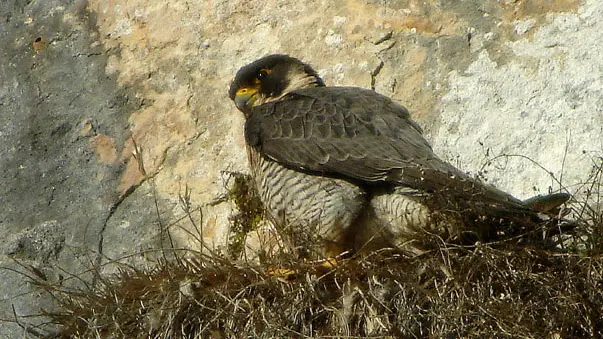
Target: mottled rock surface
(82,82)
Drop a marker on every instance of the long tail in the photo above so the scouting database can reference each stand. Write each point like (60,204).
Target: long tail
(548,204)
(453,190)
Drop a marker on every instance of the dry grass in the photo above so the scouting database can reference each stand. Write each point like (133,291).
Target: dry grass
(505,289)
(459,292)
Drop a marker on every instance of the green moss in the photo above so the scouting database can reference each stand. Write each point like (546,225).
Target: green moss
(251,212)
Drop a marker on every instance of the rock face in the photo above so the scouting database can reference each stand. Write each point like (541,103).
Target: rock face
(85,85)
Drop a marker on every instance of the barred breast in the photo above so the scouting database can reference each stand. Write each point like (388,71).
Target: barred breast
(313,211)
(398,218)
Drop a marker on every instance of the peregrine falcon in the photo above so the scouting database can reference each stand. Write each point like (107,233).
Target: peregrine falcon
(339,166)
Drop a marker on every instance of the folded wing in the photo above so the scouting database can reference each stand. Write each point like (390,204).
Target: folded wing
(360,135)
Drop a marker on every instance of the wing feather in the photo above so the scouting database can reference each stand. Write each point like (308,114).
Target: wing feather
(348,131)
(356,134)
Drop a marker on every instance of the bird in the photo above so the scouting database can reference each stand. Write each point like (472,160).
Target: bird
(339,168)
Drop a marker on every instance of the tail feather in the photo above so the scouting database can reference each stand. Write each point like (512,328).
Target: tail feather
(548,204)
(473,200)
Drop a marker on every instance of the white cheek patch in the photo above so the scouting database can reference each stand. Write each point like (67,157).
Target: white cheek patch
(261,99)
(297,78)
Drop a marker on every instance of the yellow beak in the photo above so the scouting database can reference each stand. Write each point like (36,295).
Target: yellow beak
(245,97)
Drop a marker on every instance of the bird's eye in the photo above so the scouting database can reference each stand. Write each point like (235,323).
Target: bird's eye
(262,74)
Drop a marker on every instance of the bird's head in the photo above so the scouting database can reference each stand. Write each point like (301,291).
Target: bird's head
(270,78)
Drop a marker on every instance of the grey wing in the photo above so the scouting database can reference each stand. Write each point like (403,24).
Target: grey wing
(360,135)
(349,132)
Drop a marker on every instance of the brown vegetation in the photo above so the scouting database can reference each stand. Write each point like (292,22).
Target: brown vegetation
(509,288)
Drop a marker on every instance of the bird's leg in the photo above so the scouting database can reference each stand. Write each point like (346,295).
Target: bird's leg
(334,254)
(282,274)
